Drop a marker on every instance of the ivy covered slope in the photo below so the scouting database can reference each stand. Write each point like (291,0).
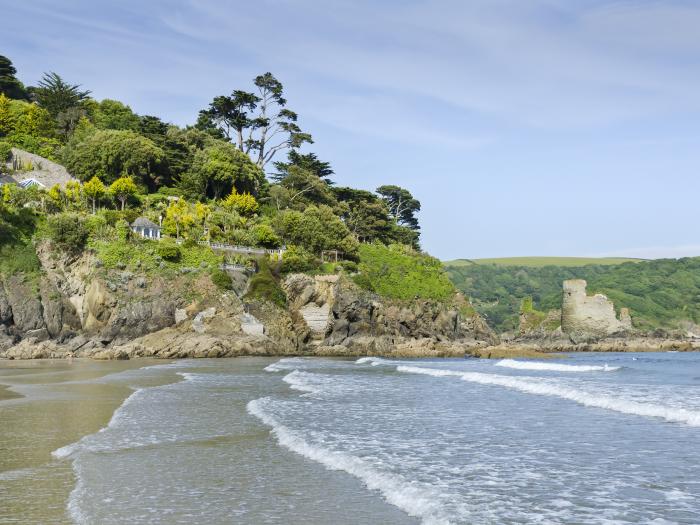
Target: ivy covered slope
(662,293)
(149,220)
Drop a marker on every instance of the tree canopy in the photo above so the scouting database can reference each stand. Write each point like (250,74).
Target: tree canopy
(109,154)
(260,124)
(220,167)
(56,95)
(10,86)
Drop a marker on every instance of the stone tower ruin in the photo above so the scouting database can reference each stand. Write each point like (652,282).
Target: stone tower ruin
(590,317)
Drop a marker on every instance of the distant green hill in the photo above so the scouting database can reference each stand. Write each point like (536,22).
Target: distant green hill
(659,293)
(542,261)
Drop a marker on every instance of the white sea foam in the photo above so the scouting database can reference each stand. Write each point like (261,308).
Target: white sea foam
(287,363)
(419,500)
(555,367)
(301,381)
(375,361)
(530,386)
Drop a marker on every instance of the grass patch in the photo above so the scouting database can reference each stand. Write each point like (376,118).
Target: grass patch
(19,258)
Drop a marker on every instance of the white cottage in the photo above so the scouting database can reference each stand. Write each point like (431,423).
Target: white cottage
(145,228)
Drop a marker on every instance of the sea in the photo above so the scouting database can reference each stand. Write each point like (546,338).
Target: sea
(587,438)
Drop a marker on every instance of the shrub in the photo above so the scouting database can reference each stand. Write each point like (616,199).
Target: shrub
(221,279)
(263,285)
(123,229)
(18,258)
(297,259)
(5,152)
(68,231)
(266,236)
(399,272)
(349,266)
(168,250)
(97,226)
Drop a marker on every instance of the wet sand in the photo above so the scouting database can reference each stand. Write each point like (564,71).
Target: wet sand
(44,405)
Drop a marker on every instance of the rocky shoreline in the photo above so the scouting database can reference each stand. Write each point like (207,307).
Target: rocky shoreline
(76,308)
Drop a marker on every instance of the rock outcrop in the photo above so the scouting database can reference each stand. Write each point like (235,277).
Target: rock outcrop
(586,317)
(42,170)
(338,318)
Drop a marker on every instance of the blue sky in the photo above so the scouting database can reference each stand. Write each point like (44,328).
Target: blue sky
(539,127)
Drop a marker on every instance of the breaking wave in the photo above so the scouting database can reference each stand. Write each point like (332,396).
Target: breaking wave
(419,500)
(301,381)
(671,414)
(555,367)
(287,363)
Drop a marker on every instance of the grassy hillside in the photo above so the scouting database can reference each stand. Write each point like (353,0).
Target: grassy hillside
(537,262)
(659,293)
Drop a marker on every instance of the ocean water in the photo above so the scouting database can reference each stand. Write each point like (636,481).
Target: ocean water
(593,438)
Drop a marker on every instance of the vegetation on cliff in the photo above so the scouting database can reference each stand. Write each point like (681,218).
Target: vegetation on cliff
(224,179)
(398,272)
(659,293)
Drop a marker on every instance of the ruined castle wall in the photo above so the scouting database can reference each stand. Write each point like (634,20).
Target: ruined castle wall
(584,316)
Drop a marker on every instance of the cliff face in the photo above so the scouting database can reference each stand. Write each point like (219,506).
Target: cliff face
(75,306)
(336,317)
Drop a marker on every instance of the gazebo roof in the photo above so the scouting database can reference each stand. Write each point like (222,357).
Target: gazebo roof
(143,222)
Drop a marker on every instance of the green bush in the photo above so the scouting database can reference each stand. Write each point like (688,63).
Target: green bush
(297,259)
(399,272)
(265,236)
(221,279)
(263,285)
(18,258)
(168,250)
(96,225)
(123,230)
(68,231)
(5,152)
(349,266)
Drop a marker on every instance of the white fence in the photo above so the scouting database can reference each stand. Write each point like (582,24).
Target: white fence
(246,250)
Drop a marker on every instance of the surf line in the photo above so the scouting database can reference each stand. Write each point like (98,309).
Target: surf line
(673,415)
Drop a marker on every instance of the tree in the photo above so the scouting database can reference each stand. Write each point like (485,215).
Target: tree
(55,95)
(308,161)
(10,86)
(68,120)
(111,154)
(122,189)
(244,204)
(7,118)
(316,229)
(94,190)
(401,204)
(112,114)
(179,215)
(274,119)
(261,135)
(230,117)
(306,187)
(219,168)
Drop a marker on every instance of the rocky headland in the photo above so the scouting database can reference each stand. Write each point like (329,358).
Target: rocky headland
(76,308)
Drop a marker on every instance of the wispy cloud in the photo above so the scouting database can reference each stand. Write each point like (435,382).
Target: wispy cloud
(511,120)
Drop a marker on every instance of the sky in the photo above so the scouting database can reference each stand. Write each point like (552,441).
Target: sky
(524,127)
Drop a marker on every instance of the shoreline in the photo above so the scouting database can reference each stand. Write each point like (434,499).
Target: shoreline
(413,350)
